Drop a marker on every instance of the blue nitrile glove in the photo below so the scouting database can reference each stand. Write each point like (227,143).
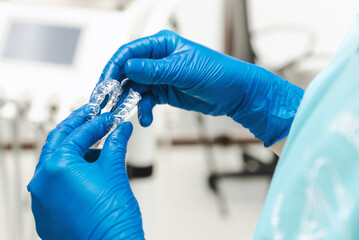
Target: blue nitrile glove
(170,69)
(76,199)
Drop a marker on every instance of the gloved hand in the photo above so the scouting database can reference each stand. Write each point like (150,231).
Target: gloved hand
(76,199)
(169,69)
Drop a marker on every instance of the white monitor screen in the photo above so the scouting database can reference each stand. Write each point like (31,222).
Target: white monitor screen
(41,43)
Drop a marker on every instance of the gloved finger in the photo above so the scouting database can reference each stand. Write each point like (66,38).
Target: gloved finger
(83,137)
(145,106)
(62,130)
(115,147)
(156,46)
(157,71)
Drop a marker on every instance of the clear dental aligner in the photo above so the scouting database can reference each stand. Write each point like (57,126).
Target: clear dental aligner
(110,87)
(123,111)
(125,108)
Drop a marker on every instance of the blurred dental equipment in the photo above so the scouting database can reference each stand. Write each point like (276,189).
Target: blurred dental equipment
(55,62)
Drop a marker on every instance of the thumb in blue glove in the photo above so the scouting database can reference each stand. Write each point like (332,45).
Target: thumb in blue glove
(169,69)
(76,199)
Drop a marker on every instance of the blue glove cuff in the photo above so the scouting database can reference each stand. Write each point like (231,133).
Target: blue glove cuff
(269,107)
